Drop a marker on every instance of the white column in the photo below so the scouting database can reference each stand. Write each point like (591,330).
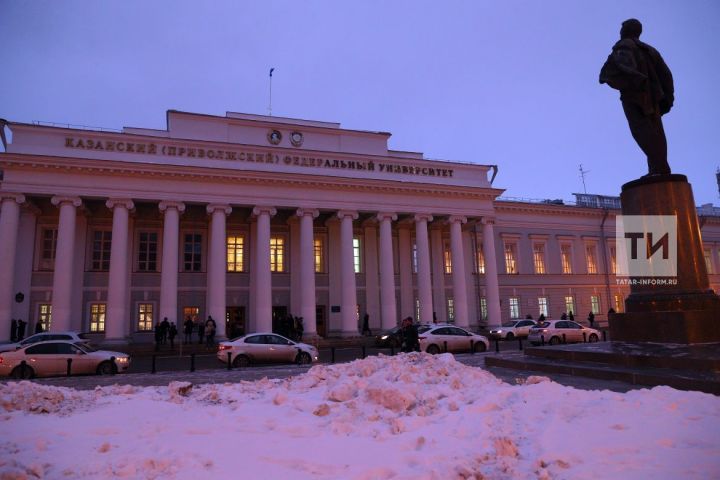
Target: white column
(407,297)
(117,318)
(263,277)
(348,299)
(372,278)
(307,270)
(437,260)
(217,268)
(64,255)
(458,271)
(9,221)
(388,304)
(423,274)
(170,245)
(492,290)
(295,278)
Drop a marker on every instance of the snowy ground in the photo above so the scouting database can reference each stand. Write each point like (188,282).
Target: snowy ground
(411,416)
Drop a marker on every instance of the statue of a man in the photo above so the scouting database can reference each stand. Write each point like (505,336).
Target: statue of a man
(646,91)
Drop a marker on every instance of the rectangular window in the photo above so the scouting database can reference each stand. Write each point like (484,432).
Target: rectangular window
(277,254)
(319,254)
(619,303)
(145,318)
(192,312)
(514,307)
(483,308)
(591,257)
(451,310)
(708,261)
(147,251)
(613,260)
(569,304)
(357,260)
(102,242)
(511,258)
(543,306)
(414,258)
(235,253)
(45,316)
(539,258)
(97,317)
(447,259)
(480,260)
(417,309)
(192,252)
(49,242)
(594,304)
(566,258)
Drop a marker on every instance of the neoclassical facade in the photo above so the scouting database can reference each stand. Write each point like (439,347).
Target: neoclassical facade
(251,218)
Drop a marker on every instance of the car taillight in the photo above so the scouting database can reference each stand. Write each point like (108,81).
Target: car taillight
(224,347)
(422,338)
(1,360)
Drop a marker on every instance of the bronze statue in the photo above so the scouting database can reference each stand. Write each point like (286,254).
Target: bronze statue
(646,91)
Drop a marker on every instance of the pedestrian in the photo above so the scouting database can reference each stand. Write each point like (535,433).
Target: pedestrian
(571,317)
(611,312)
(187,330)
(158,336)
(563,316)
(410,341)
(591,319)
(366,325)
(541,318)
(20,329)
(164,327)
(210,327)
(172,332)
(13,330)
(300,328)
(38,327)
(201,333)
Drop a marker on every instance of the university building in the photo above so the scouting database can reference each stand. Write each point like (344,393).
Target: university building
(250,218)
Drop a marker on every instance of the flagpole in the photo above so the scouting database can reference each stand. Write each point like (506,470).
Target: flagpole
(270,101)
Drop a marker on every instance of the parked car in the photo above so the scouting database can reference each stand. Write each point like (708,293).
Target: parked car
(552,331)
(45,337)
(49,358)
(510,330)
(266,348)
(389,338)
(434,338)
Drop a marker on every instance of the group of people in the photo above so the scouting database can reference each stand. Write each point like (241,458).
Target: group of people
(166,331)
(17,329)
(290,327)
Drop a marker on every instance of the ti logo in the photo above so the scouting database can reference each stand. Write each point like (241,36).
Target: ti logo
(646,245)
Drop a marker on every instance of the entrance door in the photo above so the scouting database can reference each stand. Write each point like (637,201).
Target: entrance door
(321,321)
(235,322)
(279,320)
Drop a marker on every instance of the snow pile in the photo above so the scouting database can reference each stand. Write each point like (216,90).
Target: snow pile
(408,416)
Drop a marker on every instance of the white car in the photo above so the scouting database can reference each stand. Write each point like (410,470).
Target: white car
(442,338)
(266,348)
(555,332)
(45,337)
(47,359)
(510,330)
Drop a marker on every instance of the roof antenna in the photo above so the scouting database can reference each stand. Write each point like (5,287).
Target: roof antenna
(270,102)
(582,175)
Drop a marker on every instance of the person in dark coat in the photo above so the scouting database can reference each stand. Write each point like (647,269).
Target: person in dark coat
(21,329)
(187,330)
(164,327)
(410,341)
(158,336)
(591,319)
(38,327)
(563,316)
(571,317)
(13,330)
(201,332)
(366,325)
(172,332)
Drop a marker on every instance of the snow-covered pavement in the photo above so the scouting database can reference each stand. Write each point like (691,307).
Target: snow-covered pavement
(409,416)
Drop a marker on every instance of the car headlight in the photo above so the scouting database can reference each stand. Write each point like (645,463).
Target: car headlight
(384,337)
(122,359)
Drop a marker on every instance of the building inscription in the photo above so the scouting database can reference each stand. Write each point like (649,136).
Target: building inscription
(187,151)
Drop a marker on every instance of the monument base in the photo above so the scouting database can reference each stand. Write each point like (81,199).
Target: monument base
(685,327)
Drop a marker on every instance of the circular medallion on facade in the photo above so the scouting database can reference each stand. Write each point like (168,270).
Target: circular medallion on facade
(274,137)
(296,138)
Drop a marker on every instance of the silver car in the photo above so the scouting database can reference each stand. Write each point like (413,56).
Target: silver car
(47,359)
(562,331)
(449,338)
(511,330)
(45,337)
(266,348)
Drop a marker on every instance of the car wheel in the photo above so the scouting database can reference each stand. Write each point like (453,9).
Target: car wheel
(554,341)
(22,372)
(303,358)
(593,338)
(433,349)
(105,368)
(241,361)
(509,336)
(480,347)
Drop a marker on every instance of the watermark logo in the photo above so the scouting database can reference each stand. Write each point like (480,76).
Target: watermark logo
(646,246)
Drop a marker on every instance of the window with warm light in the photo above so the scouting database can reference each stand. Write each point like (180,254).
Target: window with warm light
(566,258)
(594,304)
(277,254)
(319,254)
(591,258)
(97,317)
(619,303)
(447,259)
(451,310)
(569,304)
(45,316)
(613,260)
(480,260)
(511,258)
(539,258)
(235,253)
(145,317)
